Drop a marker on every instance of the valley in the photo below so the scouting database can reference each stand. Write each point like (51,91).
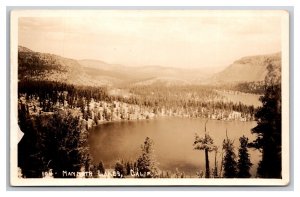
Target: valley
(57,95)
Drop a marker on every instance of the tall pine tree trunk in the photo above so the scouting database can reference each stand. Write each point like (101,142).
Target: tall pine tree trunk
(207,173)
(215,172)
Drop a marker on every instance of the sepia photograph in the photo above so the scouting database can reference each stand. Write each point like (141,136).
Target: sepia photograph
(149,97)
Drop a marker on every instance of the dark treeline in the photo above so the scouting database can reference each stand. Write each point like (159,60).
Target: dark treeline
(57,91)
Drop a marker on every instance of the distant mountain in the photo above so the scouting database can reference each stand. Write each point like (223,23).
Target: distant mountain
(247,69)
(98,64)
(45,66)
(116,74)
(140,74)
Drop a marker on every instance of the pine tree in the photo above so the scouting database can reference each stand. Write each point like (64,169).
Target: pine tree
(205,143)
(268,127)
(146,163)
(215,170)
(244,163)
(229,162)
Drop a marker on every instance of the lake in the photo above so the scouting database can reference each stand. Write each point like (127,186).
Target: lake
(173,142)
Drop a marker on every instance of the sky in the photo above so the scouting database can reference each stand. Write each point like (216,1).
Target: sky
(134,38)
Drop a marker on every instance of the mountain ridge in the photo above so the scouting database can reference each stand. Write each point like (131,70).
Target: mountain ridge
(48,66)
(247,69)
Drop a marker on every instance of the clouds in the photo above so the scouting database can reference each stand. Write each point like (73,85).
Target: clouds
(158,38)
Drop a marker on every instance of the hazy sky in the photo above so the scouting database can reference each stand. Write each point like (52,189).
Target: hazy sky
(165,38)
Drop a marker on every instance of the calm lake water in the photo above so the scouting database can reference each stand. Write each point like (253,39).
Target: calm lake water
(173,141)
